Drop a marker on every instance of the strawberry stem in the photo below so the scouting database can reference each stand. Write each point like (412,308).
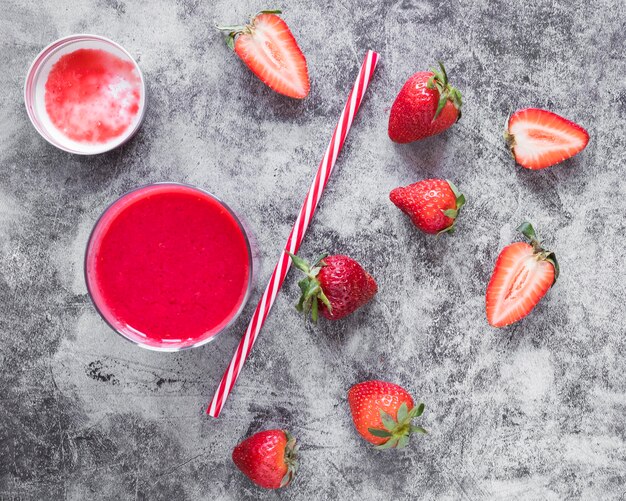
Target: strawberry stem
(291,459)
(235,30)
(439,81)
(310,287)
(528,231)
(397,431)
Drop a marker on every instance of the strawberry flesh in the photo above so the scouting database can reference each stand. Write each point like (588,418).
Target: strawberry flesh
(539,138)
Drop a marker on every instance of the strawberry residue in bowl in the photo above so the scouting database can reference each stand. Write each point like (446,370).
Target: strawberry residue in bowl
(92,95)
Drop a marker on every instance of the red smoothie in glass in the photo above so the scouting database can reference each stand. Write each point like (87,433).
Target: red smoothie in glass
(168,266)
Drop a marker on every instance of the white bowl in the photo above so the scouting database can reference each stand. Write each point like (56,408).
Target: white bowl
(34,93)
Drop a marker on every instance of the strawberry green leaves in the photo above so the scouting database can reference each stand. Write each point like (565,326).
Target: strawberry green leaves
(388,422)
(400,429)
(439,81)
(551,258)
(311,290)
(453,213)
(417,412)
(528,231)
(379,433)
(291,459)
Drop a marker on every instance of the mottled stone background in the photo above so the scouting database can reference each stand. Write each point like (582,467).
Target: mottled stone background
(535,411)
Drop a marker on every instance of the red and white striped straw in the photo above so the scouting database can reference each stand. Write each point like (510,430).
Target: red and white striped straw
(297,234)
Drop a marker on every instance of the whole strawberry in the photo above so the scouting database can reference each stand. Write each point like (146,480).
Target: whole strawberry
(335,286)
(268,458)
(433,204)
(426,105)
(382,413)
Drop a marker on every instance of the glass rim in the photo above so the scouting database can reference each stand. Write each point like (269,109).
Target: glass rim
(237,313)
(29,101)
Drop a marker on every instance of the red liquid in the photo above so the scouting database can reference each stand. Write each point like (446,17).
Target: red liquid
(168,266)
(92,96)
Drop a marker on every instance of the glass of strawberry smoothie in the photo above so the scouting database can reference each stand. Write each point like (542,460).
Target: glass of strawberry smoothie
(169,266)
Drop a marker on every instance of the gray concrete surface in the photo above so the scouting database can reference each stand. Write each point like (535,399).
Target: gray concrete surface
(535,411)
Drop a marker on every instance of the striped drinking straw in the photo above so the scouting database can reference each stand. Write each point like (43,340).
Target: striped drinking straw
(297,234)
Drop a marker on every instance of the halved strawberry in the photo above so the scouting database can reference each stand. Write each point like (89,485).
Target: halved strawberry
(269,49)
(522,276)
(540,138)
